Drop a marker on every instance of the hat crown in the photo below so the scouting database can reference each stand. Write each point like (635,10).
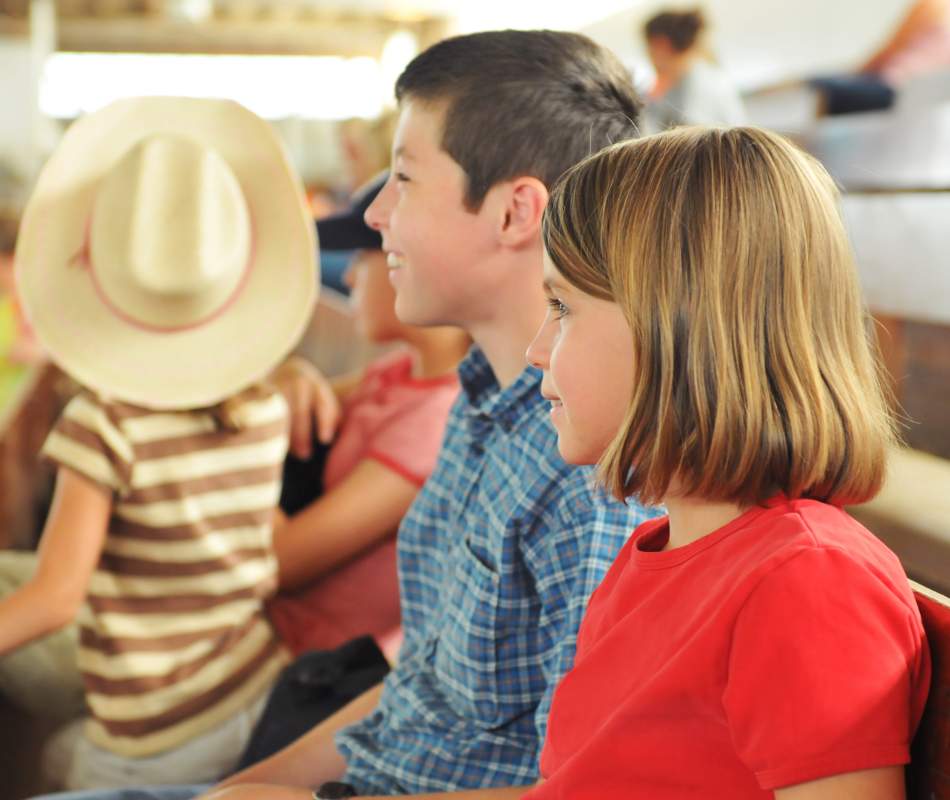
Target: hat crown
(169,224)
(152,272)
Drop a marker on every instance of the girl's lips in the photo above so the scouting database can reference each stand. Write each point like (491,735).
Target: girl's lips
(394,260)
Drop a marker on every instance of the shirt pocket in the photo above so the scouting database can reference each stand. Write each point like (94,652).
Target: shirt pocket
(466,662)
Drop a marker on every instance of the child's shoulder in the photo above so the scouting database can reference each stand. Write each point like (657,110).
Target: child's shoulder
(262,404)
(394,366)
(395,369)
(823,545)
(813,524)
(92,407)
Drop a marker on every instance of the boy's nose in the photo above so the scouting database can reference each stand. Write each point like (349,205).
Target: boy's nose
(377,213)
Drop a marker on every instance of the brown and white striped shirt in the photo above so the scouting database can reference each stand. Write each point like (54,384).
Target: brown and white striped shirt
(174,639)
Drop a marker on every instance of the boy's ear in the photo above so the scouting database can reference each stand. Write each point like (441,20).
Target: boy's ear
(523,205)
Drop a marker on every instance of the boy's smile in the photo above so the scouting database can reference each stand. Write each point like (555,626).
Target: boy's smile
(433,243)
(393,260)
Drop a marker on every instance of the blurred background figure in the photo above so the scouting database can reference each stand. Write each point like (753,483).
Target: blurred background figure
(919,45)
(365,146)
(690,87)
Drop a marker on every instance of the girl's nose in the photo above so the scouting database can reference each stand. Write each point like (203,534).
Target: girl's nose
(539,351)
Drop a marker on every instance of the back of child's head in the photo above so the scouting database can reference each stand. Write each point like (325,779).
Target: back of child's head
(681,28)
(754,364)
(166,255)
(522,103)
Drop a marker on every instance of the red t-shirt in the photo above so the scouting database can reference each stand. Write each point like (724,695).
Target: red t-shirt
(782,648)
(397,420)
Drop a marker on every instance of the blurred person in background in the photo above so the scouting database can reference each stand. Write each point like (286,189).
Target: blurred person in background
(366,145)
(158,544)
(919,45)
(690,88)
(375,434)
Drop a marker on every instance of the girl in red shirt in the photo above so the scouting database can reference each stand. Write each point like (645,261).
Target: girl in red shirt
(757,642)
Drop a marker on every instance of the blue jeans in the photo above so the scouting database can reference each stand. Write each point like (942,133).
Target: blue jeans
(850,94)
(140,793)
(333,264)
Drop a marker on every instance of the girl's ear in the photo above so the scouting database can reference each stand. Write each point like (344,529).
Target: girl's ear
(523,205)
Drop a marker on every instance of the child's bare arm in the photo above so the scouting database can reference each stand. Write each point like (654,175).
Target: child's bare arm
(311,760)
(364,508)
(922,15)
(886,783)
(69,551)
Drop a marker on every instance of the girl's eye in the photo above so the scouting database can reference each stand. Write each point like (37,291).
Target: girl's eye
(556,306)
(401,177)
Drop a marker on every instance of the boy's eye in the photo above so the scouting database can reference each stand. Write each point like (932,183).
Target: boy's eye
(557,307)
(401,177)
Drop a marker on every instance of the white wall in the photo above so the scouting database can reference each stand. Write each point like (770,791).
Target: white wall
(16,125)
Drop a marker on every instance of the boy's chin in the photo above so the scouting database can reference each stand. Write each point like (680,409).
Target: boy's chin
(409,313)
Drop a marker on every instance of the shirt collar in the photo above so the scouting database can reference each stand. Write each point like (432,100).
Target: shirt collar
(488,403)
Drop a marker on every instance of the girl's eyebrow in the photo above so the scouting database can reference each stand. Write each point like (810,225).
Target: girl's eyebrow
(552,285)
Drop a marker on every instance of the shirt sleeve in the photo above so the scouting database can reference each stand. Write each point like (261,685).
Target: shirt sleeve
(86,440)
(825,671)
(409,442)
(578,551)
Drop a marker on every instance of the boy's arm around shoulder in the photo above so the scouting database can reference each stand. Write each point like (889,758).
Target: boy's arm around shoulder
(69,550)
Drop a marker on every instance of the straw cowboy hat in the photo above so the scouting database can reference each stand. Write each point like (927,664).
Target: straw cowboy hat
(166,257)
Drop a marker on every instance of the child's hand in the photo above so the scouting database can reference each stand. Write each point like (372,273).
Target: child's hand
(313,404)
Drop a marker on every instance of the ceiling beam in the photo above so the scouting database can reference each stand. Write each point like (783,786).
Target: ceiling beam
(137,35)
(304,32)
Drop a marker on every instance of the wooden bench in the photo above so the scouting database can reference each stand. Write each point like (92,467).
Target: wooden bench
(928,776)
(911,515)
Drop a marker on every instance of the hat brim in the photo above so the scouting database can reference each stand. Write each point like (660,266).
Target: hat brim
(190,368)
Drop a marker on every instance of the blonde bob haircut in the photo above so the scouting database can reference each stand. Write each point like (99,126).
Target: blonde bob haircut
(754,368)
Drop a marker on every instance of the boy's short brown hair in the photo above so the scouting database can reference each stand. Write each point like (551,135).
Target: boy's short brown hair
(522,102)
(754,368)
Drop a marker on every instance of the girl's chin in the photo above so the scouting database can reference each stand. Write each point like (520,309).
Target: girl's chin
(573,455)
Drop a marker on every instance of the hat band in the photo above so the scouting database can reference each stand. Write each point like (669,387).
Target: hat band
(83,260)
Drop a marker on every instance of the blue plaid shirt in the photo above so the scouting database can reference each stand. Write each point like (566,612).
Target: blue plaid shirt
(497,559)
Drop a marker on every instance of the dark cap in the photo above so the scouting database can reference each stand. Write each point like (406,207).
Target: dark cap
(347,230)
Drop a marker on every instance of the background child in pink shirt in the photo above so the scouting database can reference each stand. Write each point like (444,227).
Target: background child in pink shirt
(757,642)
(337,555)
